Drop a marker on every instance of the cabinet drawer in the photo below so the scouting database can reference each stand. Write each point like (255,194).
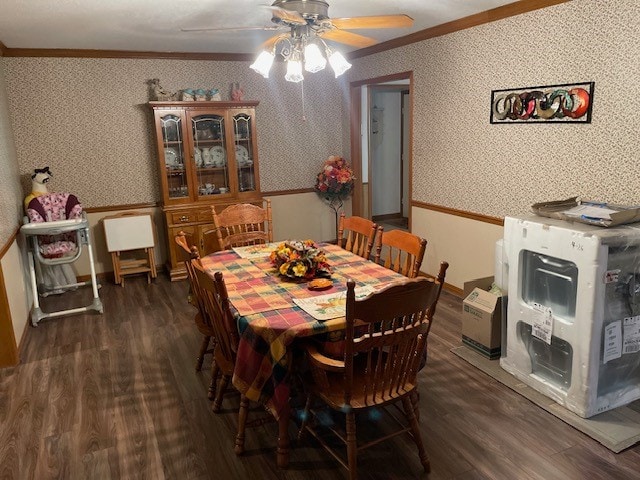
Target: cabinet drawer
(205,215)
(184,216)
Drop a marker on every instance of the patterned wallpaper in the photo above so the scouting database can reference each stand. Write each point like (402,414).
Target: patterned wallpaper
(88,120)
(464,162)
(10,194)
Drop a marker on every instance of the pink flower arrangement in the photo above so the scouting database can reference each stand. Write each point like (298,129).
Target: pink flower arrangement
(335,181)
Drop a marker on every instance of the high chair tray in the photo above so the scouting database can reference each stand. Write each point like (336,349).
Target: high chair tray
(54,228)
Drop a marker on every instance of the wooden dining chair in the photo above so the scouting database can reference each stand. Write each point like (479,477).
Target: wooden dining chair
(380,362)
(218,311)
(356,234)
(188,251)
(243,224)
(401,252)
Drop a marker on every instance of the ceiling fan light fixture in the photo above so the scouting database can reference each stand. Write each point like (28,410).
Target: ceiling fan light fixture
(314,61)
(294,71)
(338,63)
(263,63)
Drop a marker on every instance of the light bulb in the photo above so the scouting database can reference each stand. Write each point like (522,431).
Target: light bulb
(339,63)
(294,71)
(314,61)
(263,63)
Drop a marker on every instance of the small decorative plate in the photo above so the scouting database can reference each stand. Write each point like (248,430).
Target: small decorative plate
(320,284)
(171,157)
(218,156)
(242,155)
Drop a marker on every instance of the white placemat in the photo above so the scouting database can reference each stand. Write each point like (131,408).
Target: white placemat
(331,305)
(256,251)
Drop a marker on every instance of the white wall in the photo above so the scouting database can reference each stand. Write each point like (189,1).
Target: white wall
(297,216)
(17,287)
(304,215)
(406,120)
(468,245)
(385,154)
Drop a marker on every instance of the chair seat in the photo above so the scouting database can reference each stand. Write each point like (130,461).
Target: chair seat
(58,249)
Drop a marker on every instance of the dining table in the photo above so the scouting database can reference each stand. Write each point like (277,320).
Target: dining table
(272,311)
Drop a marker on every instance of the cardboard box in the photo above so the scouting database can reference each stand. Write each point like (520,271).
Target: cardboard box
(482,318)
(592,213)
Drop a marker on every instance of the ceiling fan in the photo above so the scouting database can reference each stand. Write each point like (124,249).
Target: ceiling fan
(299,15)
(306,25)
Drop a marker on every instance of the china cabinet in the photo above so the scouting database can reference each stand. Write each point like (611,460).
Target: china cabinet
(207,157)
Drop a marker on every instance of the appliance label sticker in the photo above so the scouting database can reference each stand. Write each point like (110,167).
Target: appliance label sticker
(631,339)
(542,323)
(612,347)
(611,276)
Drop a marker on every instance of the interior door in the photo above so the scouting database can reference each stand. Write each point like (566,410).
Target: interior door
(360,118)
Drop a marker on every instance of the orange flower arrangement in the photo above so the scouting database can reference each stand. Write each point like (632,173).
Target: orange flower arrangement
(300,259)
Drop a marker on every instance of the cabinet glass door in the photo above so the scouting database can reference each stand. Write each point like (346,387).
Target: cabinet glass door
(174,156)
(244,151)
(209,154)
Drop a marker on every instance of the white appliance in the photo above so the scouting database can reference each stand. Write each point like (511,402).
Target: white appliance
(573,316)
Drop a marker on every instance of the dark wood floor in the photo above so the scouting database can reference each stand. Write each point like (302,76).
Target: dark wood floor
(115,396)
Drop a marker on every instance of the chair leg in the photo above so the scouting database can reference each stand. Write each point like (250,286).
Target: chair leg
(215,370)
(305,417)
(415,430)
(282,449)
(415,401)
(217,403)
(352,447)
(242,423)
(203,349)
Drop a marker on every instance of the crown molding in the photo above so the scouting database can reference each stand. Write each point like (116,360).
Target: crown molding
(128,54)
(499,13)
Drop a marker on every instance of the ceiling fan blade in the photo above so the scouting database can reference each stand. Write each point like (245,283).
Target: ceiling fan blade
(377,21)
(289,16)
(216,29)
(270,43)
(348,38)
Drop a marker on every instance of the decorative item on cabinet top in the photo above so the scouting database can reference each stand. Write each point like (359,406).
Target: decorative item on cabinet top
(156,92)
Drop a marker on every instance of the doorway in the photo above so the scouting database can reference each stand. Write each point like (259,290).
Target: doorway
(381,132)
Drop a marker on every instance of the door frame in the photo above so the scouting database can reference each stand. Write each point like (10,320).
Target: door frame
(355,120)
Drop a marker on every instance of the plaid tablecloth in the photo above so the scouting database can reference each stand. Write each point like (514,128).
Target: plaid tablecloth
(269,321)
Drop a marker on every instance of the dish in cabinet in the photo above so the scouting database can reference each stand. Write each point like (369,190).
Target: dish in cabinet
(197,156)
(242,156)
(171,157)
(218,156)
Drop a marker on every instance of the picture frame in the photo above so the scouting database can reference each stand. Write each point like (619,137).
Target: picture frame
(563,103)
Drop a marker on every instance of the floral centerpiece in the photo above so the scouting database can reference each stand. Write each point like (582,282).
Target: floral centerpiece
(300,259)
